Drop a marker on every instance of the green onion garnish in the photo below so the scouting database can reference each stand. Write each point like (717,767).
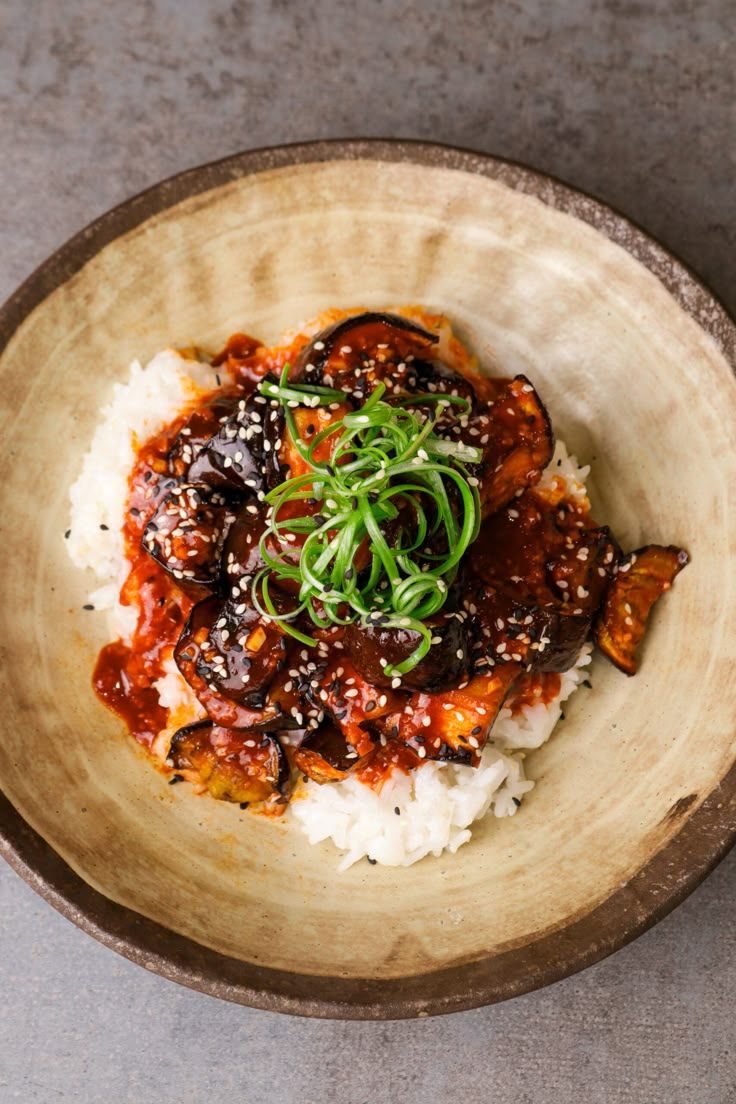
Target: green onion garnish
(387,463)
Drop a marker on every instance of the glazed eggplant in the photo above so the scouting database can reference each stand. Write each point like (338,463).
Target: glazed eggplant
(581,572)
(187,532)
(358,352)
(444,665)
(199,428)
(241,558)
(326,756)
(233,765)
(242,455)
(517,439)
(540,637)
(643,576)
(454,725)
(353,704)
(228,650)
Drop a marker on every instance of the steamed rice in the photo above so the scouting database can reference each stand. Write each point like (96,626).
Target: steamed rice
(427,811)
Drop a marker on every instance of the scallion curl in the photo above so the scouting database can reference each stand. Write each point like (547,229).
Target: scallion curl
(385,459)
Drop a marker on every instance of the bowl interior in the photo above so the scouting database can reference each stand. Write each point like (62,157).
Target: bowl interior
(634,387)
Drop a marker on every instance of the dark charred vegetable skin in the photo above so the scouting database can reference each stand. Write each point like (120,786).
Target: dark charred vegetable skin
(519,442)
(241,554)
(643,576)
(233,765)
(444,665)
(358,352)
(325,756)
(187,532)
(454,726)
(242,456)
(229,655)
(197,431)
(541,638)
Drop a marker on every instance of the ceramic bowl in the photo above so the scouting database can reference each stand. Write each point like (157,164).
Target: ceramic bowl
(635,799)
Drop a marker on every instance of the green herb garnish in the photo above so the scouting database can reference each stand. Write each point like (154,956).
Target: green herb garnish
(386,460)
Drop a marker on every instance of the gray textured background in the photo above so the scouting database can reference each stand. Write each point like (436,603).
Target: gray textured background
(632,100)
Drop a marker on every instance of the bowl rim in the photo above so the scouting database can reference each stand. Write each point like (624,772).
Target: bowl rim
(705,835)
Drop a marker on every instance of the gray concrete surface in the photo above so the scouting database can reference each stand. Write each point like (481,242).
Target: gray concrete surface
(633,101)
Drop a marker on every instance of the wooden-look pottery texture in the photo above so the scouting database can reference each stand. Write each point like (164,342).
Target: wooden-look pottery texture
(635,801)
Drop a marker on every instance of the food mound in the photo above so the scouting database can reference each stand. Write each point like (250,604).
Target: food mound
(350,551)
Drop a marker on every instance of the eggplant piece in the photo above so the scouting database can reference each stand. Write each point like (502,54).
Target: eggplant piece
(437,378)
(229,650)
(356,353)
(353,704)
(540,637)
(233,765)
(187,532)
(241,553)
(454,726)
(199,427)
(581,572)
(243,454)
(326,756)
(309,422)
(518,441)
(642,577)
(443,666)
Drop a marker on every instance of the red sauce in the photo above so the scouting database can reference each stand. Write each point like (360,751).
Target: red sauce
(124,674)
(517,542)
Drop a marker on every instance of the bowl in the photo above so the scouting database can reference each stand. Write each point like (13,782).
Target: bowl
(637,788)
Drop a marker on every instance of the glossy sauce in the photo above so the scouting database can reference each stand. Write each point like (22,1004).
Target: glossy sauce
(525,534)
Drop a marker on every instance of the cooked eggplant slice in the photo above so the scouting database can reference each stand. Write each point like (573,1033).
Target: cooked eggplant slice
(233,765)
(454,725)
(581,571)
(187,532)
(243,454)
(241,553)
(199,427)
(309,422)
(642,577)
(444,664)
(353,704)
(517,438)
(541,637)
(326,756)
(229,650)
(358,352)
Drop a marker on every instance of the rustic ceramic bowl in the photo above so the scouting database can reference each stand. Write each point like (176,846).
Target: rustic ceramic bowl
(636,796)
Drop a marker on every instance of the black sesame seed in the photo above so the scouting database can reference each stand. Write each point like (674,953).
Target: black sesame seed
(397,810)
(67,534)
(88,607)
(475,731)
(516,802)
(371,861)
(243,804)
(176,778)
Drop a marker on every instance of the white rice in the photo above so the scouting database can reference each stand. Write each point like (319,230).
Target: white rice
(428,811)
